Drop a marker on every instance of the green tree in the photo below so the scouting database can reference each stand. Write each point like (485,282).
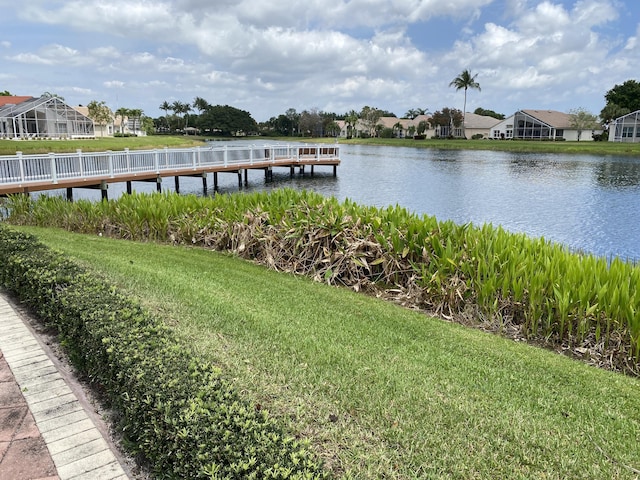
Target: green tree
(294,120)
(181,108)
(5,94)
(52,95)
(227,120)
(135,115)
(447,119)
(624,97)
(148,126)
(488,113)
(311,123)
(370,117)
(351,119)
(397,129)
(122,112)
(100,114)
(465,81)
(581,119)
(165,107)
(200,104)
(414,112)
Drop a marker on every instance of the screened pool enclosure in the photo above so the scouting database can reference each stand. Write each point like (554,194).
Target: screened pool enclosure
(626,128)
(44,117)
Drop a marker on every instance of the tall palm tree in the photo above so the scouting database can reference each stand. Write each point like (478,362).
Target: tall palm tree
(136,115)
(465,80)
(165,106)
(200,104)
(122,112)
(181,108)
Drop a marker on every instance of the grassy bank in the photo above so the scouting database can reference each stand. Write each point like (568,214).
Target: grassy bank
(99,144)
(10,147)
(572,148)
(381,391)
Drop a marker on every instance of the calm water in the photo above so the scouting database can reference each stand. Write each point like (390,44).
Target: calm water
(586,202)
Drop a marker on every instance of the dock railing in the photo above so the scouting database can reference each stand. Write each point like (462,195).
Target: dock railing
(53,167)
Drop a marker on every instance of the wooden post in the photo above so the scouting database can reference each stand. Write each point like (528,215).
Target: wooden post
(246,176)
(177,183)
(215,181)
(204,184)
(103,190)
(129,189)
(240,178)
(312,170)
(70,194)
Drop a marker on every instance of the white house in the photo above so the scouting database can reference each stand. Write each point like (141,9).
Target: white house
(402,127)
(625,128)
(540,125)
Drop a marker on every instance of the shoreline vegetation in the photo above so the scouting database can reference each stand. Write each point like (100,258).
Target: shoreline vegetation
(526,288)
(377,390)
(10,147)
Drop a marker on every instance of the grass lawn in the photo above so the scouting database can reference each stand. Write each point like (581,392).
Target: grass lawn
(381,391)
(99,144)
(586,148)
(10,147)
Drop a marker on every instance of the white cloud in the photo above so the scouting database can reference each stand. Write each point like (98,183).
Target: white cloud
(114,84)
(341,54)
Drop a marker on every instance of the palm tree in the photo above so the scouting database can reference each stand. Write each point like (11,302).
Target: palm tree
(181,108)
(165,106)
(465,80)
(122,112)
(136,115)
(200,104)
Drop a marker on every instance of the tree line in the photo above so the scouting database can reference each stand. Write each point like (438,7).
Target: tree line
(200,117)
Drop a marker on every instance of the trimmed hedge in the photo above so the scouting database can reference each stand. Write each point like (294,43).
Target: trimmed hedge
(177,411)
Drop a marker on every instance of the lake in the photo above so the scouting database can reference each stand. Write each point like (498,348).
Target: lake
(586,202)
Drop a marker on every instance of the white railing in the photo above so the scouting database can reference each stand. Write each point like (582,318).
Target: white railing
(21,169)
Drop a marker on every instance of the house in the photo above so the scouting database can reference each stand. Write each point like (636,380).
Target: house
(401,127)
(44,117)
(539,125)
(100,130)
(475,124)
(625,128)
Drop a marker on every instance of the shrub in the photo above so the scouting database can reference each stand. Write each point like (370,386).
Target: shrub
(177,411)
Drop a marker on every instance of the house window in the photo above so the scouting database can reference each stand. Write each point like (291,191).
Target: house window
(509,134)
(627,132)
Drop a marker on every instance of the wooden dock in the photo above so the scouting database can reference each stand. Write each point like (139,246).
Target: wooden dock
(32,173)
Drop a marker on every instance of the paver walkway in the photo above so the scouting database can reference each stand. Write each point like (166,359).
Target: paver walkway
(45,433)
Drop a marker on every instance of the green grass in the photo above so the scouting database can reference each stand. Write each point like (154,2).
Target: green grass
(99,144)
(585,148)
(10,147)
(381,391)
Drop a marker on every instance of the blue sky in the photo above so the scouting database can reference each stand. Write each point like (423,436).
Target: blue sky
(332,55)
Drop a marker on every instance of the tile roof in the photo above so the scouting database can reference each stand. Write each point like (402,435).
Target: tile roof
(473,120)
(12,100)
(552,118)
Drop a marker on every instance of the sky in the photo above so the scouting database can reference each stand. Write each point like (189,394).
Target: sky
(266,56)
